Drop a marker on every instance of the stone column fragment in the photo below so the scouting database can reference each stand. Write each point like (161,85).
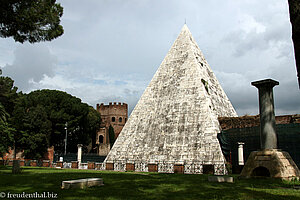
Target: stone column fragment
(241,153)
(79,153)
(268,138)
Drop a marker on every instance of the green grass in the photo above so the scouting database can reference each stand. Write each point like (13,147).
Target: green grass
(130,185)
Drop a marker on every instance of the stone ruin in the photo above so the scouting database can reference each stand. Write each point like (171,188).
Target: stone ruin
(174,126)
(269,161)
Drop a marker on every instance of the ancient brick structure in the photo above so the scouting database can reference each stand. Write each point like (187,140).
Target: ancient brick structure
(246,129)
(19,156)
(114,115)
(253,120)
(174,126)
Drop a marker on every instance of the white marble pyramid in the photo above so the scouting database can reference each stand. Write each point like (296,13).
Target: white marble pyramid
(175,121)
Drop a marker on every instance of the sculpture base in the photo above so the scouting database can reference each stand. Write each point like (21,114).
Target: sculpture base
(272,163)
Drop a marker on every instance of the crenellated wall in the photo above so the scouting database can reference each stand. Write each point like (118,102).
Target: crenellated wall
(114,114)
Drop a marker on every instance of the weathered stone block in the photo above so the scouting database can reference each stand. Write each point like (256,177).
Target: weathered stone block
(82,183)
(276,166)
(263,158)
(220,179)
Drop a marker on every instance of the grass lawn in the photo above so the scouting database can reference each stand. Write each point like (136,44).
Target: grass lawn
(130,185)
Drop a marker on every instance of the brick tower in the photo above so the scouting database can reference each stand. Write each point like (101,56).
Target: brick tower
(115,115)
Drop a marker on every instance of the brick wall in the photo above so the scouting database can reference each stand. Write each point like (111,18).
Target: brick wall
(252,121)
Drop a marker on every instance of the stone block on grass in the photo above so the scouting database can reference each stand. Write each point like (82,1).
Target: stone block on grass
(220,179)
(82,183)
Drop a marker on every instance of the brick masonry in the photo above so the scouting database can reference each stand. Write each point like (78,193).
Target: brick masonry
(74,164)
(91,165)
(176,118)
(109,166)
(179,169)
(152,168)
(33,163)
(252,121)
(115,115)
(130,167)
(59,164)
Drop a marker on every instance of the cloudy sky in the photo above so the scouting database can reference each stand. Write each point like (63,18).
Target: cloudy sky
(111,49)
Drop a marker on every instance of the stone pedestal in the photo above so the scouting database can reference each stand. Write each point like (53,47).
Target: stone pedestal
(272,163)
(82,183)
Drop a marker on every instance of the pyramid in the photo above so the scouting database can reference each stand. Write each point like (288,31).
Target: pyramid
(174,125)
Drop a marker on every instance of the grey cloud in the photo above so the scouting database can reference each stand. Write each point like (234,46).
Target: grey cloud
(31,64)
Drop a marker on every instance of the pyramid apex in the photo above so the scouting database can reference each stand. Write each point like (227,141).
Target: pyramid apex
(185,28)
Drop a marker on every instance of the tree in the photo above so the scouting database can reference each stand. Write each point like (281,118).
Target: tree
(111,133)
(34,130)
(294,8)
(8,96)
(93,122)
(30,20)
(6,132)
(40,117)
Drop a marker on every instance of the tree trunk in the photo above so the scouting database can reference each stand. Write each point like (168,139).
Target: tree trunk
(294,7)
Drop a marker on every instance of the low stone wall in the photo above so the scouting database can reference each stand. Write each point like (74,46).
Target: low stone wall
(167,167)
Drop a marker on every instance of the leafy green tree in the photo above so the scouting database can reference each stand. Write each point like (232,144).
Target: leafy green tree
(111,133)
(6,132)
(93,122)
(30,20)
(3,114)
(34,130)
(8,96)
(41,115)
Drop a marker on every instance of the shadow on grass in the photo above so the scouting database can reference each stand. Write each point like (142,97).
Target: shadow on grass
(119,185)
